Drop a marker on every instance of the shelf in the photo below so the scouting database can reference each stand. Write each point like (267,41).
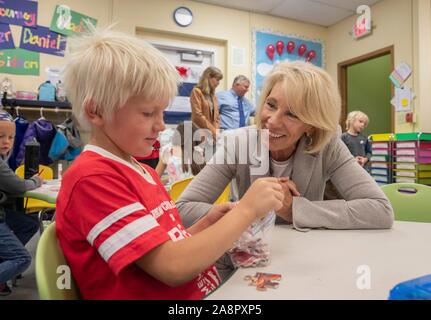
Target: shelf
(35,103)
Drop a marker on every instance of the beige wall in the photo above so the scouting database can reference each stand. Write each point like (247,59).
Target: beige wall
(229,26)
(393,26)
(98,9)
(406,24)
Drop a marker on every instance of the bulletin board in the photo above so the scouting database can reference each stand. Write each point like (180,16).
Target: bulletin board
(271,48)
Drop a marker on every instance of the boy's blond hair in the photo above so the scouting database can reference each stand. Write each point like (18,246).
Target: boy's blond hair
(355,115)
(311,95)
(106,68)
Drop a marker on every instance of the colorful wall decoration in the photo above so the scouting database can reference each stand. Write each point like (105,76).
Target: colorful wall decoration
(41,39)
(19,61)
(6,39)
(19,12)
(271,48)
(69,22)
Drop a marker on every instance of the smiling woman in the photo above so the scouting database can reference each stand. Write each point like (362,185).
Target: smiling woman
(298,114)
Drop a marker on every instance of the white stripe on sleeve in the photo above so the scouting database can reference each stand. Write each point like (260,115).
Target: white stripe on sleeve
(111,219)
(126,235)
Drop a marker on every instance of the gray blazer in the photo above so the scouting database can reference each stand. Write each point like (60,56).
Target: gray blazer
(364,205)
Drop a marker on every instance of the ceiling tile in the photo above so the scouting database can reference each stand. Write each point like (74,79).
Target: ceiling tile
(310,11)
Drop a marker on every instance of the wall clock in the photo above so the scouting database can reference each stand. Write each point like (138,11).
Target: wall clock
(183,16)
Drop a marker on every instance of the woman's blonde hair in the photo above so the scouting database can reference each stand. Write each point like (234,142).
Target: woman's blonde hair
(311,95)
(106,68)
(203,84)
(355,115)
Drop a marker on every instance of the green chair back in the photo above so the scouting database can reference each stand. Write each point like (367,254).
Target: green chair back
(409,206)
(48,258)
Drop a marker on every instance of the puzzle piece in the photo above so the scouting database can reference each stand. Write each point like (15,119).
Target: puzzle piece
(263,280)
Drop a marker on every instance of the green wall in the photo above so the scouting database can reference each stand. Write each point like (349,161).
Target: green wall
(369,90)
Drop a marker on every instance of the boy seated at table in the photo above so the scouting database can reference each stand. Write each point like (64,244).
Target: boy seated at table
(120,232)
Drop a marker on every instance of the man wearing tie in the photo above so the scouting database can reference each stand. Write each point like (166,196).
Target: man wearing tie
(235,110)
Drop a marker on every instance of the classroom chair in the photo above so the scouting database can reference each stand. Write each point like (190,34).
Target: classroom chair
(410,201)
(35,205)
(53,283)
(178,187)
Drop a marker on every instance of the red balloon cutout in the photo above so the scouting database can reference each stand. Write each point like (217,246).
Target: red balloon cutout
(301,50)
(290,46)
(270,49)
(280,46)
(311,55)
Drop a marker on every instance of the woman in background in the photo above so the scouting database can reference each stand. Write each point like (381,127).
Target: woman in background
(205,113)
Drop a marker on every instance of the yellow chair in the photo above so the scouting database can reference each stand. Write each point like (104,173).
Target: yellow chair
(178,187)
(35,205)
(53,283)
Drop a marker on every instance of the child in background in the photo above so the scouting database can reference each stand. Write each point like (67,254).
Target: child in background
(153,158)
(357,143)
(14,257)
(120,232)
(176,159)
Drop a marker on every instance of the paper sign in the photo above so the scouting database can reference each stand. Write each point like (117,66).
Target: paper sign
(19,12)
(402,99)
(6,39)
(400,74)
(41,39)
(69,22)
(18,61)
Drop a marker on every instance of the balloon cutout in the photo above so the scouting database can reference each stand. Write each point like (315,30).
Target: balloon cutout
(311,55)
(270,49)
(301,50)
(290,46)
(280,46)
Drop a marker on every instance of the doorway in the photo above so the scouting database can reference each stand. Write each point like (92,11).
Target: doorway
(364,85)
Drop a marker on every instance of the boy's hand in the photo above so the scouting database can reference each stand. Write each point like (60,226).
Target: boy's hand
(361,160)
(290,190)
(218,211)
(264,195)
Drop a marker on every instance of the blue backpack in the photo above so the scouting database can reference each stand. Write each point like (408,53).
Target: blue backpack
(47,91)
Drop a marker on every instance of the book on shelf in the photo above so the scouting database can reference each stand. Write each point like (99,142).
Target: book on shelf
(379,152)
(405,166)
(380,178)
(380,172)
(403,173)
(405,152)
(405,159)
(379,145)
(382,165)
(379,158)
(425,153)
(413,144)
(404,179)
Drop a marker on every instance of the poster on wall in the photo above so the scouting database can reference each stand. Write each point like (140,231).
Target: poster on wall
(19,12)
(41,39)
(6,39)
(271,48)
(69,22)
(180,108)
(19,61)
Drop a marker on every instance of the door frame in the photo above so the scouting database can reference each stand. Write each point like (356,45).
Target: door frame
(342,79)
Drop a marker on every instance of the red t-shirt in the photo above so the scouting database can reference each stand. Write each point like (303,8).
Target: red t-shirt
(155,152)
(108,215)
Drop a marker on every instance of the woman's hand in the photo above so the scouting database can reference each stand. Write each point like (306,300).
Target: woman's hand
(290,190)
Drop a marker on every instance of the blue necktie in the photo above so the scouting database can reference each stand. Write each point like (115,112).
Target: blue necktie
(241,113)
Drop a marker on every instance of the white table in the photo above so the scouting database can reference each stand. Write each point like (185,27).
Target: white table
(48,191)
(323,264)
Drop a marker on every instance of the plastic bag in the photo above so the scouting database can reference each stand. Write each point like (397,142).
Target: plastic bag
(252,249)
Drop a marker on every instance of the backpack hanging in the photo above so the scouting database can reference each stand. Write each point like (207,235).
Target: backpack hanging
(47,91)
